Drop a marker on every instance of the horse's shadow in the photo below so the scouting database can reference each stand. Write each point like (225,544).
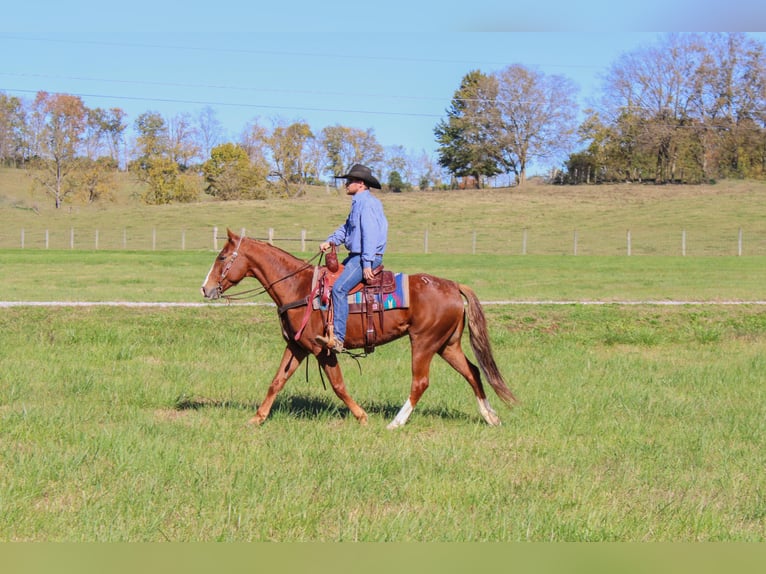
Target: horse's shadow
(312,407)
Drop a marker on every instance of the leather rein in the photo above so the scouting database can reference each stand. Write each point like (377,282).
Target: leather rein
(252,293)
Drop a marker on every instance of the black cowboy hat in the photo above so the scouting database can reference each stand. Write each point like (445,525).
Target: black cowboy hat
(359,171)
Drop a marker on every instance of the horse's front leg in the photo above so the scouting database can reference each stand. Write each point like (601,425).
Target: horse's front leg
(332,369)
(291,358)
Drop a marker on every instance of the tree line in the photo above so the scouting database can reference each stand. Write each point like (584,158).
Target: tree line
(689,108)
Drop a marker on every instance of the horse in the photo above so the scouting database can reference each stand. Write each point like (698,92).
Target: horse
(434,321)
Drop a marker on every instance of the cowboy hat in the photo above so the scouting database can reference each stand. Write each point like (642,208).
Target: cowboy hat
(359,171)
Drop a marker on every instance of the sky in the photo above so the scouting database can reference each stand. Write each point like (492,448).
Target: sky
(392,68)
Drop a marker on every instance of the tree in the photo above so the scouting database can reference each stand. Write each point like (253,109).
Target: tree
(165,183)
(104,134)
(94,179)
(157,165)
(396,183)
(209,131)
(289,153)
(467,138)
(12,124)
(230,175)
(695,103)
(182,140)
(152,139)
(345,146)
(62,118)
(537,118)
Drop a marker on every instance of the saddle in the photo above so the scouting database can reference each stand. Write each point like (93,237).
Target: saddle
(383,283)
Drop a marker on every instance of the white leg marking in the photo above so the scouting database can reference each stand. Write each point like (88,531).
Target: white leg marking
(402,416)
(488,413)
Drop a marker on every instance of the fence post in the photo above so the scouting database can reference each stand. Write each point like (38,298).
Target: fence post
(473,244)
(46,239)
(22,238)
(271,236)
(124,237)
(154,238)
(575,242)
(425,241)
(739,243)
(183,240)
(215,238)
(303,240)
(683,243)
(524,242)
(630,247)
(96,240)
(71,238)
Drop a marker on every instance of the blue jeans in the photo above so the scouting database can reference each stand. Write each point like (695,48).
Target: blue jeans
(352,274)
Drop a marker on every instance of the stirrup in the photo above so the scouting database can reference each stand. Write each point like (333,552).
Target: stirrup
(330,343)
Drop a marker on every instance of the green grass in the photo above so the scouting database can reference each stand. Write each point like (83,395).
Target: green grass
(175,276)
(459,222)
(635,424)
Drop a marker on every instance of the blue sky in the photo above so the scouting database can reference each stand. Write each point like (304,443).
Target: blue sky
(391,68)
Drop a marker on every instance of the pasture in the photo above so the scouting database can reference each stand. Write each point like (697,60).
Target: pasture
(636,424)
(638,421)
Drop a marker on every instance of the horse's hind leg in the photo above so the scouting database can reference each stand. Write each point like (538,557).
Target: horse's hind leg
(455,357)
(291,358)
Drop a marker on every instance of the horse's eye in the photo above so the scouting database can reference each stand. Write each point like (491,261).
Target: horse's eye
(221,258)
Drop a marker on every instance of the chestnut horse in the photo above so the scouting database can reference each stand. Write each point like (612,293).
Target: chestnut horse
(434,322)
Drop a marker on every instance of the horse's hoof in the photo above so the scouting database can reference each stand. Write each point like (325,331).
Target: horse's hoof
(363,419)
(257,420)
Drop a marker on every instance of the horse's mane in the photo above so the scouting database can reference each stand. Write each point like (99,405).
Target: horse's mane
(273,247)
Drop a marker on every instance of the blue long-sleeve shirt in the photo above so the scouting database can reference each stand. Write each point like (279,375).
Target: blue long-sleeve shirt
(365,230)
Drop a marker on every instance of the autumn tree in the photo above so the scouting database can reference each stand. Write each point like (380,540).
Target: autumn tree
(229,174)
(62,121)
(182,141)
(104,134)
(12,125)
(694,103)
(345,146)
(156,164)
(94,180)
(289,146)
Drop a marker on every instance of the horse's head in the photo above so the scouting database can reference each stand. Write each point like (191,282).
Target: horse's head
(228,268)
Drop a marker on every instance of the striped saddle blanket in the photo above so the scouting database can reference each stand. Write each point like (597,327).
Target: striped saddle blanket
(395,295)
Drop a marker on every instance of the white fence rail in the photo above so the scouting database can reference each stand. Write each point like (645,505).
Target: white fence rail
(516,242)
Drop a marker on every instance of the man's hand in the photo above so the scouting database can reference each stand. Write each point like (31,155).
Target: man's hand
(368,274)
(325,247)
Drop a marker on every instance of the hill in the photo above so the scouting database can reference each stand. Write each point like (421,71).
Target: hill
(536,219)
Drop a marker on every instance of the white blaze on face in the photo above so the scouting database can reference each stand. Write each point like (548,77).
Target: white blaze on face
(207,278)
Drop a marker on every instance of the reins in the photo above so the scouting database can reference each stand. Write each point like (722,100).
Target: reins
(252,293)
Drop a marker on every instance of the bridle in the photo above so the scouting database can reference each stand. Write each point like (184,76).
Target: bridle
(251,293)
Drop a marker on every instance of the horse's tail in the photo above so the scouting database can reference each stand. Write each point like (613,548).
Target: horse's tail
(482,349)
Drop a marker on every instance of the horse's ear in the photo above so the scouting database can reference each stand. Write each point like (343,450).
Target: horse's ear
(231,234)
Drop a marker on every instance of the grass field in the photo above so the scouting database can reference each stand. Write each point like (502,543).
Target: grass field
(635,424)
(637,421)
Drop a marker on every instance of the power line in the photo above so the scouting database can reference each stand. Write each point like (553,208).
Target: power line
(234,104)
(218,87)
(252,51)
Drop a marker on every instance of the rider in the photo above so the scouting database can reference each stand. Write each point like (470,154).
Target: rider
(364,234)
